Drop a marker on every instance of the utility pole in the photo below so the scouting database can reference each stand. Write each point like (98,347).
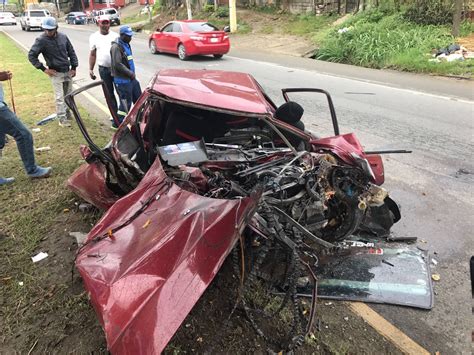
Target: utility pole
(457,17)
(188,7)
(232,16)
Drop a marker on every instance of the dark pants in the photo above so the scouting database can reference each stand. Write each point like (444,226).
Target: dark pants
(108,80)
(128,93)
(10,124)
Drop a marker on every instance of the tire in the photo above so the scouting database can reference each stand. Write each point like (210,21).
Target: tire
(182,52)
(118,22)
(152,46)
(28,28)
(218,56)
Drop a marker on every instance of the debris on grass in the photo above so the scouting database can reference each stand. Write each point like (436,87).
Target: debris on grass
(40,256)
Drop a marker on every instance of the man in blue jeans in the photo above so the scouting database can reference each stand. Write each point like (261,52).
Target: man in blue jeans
(11,125)
(123,71)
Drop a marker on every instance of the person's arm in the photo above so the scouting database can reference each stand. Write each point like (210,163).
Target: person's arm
(92,59)
(119,67)
(72,57)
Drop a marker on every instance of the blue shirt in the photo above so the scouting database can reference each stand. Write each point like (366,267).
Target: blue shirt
(128,52)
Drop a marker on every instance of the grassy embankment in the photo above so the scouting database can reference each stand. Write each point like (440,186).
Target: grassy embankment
(377,40)
(36,300)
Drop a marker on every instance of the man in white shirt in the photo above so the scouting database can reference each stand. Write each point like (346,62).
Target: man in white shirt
(99,45)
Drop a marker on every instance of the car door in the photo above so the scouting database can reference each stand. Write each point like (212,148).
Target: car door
(163,38)
(176,37)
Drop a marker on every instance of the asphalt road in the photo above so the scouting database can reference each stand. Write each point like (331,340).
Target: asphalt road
(431,116)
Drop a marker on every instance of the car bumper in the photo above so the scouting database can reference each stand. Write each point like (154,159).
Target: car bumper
(207,48)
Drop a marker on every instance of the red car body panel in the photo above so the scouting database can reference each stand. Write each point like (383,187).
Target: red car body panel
(345,144)
(231,91)
(196,43)
(144,279)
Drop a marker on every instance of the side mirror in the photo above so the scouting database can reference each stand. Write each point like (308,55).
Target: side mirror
(227,29)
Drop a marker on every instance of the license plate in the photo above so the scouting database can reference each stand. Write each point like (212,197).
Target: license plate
(214,40)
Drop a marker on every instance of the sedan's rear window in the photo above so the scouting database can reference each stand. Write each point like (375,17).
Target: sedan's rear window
(201,27)
(110,12)
(37,14)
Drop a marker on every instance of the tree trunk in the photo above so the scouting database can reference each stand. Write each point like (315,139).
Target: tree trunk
(338,7)
(457,17)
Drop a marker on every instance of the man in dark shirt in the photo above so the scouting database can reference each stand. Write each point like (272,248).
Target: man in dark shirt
(61,62)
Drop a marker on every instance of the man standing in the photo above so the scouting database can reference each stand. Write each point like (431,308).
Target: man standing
(61,61)
(123,71)
(11,125)
(99,45)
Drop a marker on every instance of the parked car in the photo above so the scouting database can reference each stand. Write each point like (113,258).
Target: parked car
(189,37)
(111,13)
(76,18)
(33,19)
(7,18)
(203,160)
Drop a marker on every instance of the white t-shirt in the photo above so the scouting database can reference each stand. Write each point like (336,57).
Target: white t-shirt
(102,45)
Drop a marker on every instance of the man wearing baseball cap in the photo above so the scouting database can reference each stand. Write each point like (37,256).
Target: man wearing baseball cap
(123,71)
(99,44)
(61,63)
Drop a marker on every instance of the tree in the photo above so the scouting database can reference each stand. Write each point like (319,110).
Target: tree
(457,17)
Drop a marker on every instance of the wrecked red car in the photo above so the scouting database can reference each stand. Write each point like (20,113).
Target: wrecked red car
(204,161)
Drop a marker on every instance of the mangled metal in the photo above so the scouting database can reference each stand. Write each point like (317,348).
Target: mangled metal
(188,177)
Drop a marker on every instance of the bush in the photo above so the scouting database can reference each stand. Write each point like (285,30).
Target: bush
(208,8)
(374,44)
(430,12)
(222,12)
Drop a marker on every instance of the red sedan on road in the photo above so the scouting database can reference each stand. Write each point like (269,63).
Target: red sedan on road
(189,37)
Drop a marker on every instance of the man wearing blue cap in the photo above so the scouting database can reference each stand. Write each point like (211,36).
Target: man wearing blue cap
(123,71)
(61,61)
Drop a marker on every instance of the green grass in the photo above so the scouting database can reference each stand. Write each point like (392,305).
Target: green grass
(378,41)
(36,215)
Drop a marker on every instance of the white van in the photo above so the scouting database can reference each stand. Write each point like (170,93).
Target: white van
(33,18)
(110,13)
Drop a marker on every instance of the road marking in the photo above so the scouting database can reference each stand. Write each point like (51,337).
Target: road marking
(387,329)
(372,82)
(91,98)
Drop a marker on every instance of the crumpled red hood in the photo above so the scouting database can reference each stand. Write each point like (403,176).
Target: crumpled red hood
(146,277)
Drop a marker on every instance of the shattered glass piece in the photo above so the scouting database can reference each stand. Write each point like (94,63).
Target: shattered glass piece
(380,274)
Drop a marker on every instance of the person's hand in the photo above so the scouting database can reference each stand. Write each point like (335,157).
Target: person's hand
(5,75)
(92,75)
(72,73)
(50,72)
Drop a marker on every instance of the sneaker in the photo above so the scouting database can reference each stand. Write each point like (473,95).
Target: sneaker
(41,172)
(114,126)
(5,181)
(64,122)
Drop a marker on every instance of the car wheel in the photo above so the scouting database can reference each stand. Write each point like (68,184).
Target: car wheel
(28,28)
(118,22)
(218,56)
(182,52)
(152,46)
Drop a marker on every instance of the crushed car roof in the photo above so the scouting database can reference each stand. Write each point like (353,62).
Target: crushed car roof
(220,89)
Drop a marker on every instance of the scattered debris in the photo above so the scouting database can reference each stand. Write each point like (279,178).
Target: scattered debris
(453,52)
(36,130)
(434,261)
(40,256)
(346,318)
(386,262)
(47,119)
(20,283)
(80,237)
(43,149)
(328,304)
(344,30)
(84,207)
(435,277)
(66,210)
